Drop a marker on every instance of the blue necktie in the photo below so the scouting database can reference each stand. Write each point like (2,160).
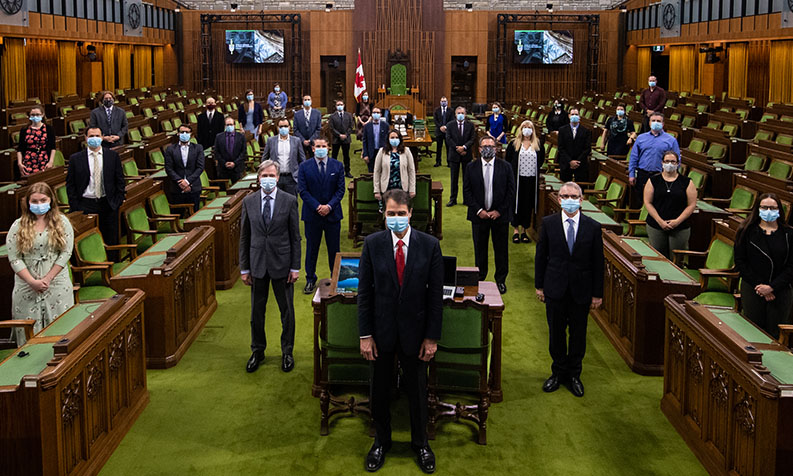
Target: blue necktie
(570,235)
(109,114)
(266,210)
(322,167)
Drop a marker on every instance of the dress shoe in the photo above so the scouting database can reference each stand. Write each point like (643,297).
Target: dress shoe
(576,387)
(426,459)
(375,458)
(310,285)
(287,362)
(451,203)
(552,384)
(348,175)
(253,363)
(502,288)
(525,238)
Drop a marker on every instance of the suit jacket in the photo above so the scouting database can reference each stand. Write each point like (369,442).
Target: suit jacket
(316,189)
(117,126)
(341,125)
(453,139)
(176,170)
(296,153)
(207,131)
(258,114)
(574,149)
(369,149)
(503,190)
(410,313)
(382,171)
(271,250)
(556,271)
(78,173)
(442,120)
(238,154)
(310,130)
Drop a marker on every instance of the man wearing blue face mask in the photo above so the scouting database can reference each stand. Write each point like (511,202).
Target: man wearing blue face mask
(575,145)
(375,136)
(400,309)
(230,152)
(308,125)
(288,152)
(568,277)
(460,136)
(652,99)
(341,125)
(647,156)
(442,116)
(184,163)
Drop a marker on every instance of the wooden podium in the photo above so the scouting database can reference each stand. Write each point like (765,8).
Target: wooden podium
(409,102)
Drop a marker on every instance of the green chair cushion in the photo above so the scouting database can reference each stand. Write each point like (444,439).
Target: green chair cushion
(92,293)
(712,285)
(91,248)
(779,170)
(713,298)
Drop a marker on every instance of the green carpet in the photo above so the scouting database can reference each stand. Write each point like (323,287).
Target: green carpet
(207,416)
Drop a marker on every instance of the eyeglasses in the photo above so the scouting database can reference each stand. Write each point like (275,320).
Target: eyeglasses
(565,197)
(774,207)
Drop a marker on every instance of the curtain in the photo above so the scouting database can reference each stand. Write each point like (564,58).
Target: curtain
(124,66)
(643,68)
(67,68)
(737,69)
(142,66)
(109,66)
(13,64)
(781,72)
(682,65)
(159,66)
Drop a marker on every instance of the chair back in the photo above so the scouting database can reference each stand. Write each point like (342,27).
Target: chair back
(717,151)
(461,362)
(720,255)
(339,345)
(754,162)
(422,203)
(779,169)
(399,79)
(697,145)
(90,247)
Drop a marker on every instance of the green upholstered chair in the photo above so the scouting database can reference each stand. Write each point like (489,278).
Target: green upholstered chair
(755,162)
(62,197)
(599,187)
(670,103)
(180,105)
(143,230)
(129,114)
(192,118)
(58,160)
(702,108)
(341,368)
(730,129)
(762,135)
(65,110)
(157,97)
(784,139)
(160,108)
(161,208)
(599,143)
(767,116)
(156,158)
(712,124)
(148,112)
(716,152)
(550,159)
(780,169)
(675,117)
(688,121)
(741,202)
(742,113)
(460,367)
(131,171)
(134,101)
(134,136)
(212,189)
(715,298)
(91,264)
(172,106)
(147,132)
(718,273)
(697,145)
(176,123)
(786,118)
(89,293)
(614,197)
(635,223)
(366,209)
(166,126)
(399,80)
(76,126)
(422,204)
(699,178)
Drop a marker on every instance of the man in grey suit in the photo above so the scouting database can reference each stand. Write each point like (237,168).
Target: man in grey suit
(287,150)
(184,163)
(341,125)
(112,120)
(270,252)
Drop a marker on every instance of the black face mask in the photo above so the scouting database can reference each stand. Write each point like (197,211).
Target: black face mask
(108,102)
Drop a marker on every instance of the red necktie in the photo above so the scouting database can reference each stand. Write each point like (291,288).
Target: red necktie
(400,261)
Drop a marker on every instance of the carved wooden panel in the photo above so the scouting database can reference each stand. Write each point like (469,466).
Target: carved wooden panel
(72,421)
(694,378)
(136,366)
(96,399)
(743,431)
(117,377)
(676,349)
(717,398)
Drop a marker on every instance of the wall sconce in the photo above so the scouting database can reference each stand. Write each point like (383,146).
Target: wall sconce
(549,6)
(469,7)
(328,7)
(234,7)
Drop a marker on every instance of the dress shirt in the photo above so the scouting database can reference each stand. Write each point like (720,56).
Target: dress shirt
(185,149)
(90,191)
(109,112)
(272,209)
(376,130)
(648,152)
(405,245)
(487,176)
(209,115)
(307,112)
(574,129)
(284,148)
(576,219)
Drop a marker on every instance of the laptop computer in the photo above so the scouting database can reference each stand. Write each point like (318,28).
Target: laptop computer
(449,276)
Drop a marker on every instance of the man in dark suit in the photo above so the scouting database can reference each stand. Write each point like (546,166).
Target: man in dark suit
(184,163)
(442,116)
(460,135)
(287,150)
(95,184)
(375,136)
(112,120)
(575,144)
(342,125)
(210,124)
(568,276)
(270,252)
(400,311)
(308,125)
(230,152)
(489,192)
(321,185)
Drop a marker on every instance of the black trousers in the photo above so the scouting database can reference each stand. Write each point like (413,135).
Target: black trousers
(192,198)
(287,183)
(566,315)
(637,195)
(455,176)
(439,148)
(108,218)
(284,295)
(229,174)
(414,379)
(767,314)
(482,229)
(581,174)
(345,149)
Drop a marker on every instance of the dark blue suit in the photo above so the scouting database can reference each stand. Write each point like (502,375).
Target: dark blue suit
(315,190)
(369,147)
(307,130)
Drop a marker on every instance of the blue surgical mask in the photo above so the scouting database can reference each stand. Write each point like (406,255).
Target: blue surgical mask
(94,142)
(376,116)
(620,113)
(321,152)
(284,131)
(495,110)
(574,119)
(268,183)
(460,117)
(229,128)
(35,119)
(365,98)
(394,142)
(277,89)
(656,126)
(184,137)
(307,103)
(340,107)
(40,208)
(652,84)
(766,215)
(397,224)
(249,97)
(570,205)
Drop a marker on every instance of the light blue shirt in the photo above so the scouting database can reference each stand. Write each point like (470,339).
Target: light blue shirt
(648,152)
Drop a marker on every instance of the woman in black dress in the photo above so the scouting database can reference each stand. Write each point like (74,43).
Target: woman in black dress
(619,134)
(557,117)
(526,155)
(36,148)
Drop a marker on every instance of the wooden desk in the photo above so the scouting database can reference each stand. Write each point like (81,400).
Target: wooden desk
(178,275)
(66,406)
(728,390)
(223,214)
(606,222)
(637,279)
(414,143)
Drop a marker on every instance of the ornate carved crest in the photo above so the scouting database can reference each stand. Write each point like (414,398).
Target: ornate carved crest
(695,367)
(70,401)
(133,336)
(743,412)
(718,386)
(116,359)
(676,341)
(93,383)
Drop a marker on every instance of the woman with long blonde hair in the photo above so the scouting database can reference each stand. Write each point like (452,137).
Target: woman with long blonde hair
(526,155)
(39,247)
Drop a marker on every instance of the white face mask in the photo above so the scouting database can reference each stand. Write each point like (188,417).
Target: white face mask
(527,132)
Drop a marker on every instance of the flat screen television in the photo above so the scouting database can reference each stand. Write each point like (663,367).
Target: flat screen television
(543,47)
(254,46)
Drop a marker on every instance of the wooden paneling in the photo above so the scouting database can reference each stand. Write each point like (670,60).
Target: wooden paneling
(467,35)
(330,34)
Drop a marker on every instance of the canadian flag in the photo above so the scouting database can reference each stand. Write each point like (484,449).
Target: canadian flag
(360,82)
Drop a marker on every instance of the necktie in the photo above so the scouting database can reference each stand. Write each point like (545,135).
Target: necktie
(574,129)
(461,128)
(400,261)
(98,188)
(443,113)
(308,113)
(229,142)
(570,235)
(266,210)
(109,115)
(322,167)
(488,185)
(209,118)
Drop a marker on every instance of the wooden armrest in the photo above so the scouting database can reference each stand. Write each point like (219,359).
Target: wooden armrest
(149,171)
(27,324)
(93,266)
(595,192)
(586,184)
(717,200)
(144,232)
(738,210)
(690,253)
(607,200)
(133,178)
(636,222)
(170,216)
(121,247)
(210,189)
(163,218)
(628,210)
(723,273)
(785,334)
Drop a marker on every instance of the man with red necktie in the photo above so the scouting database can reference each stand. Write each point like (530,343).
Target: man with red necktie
(400,307)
